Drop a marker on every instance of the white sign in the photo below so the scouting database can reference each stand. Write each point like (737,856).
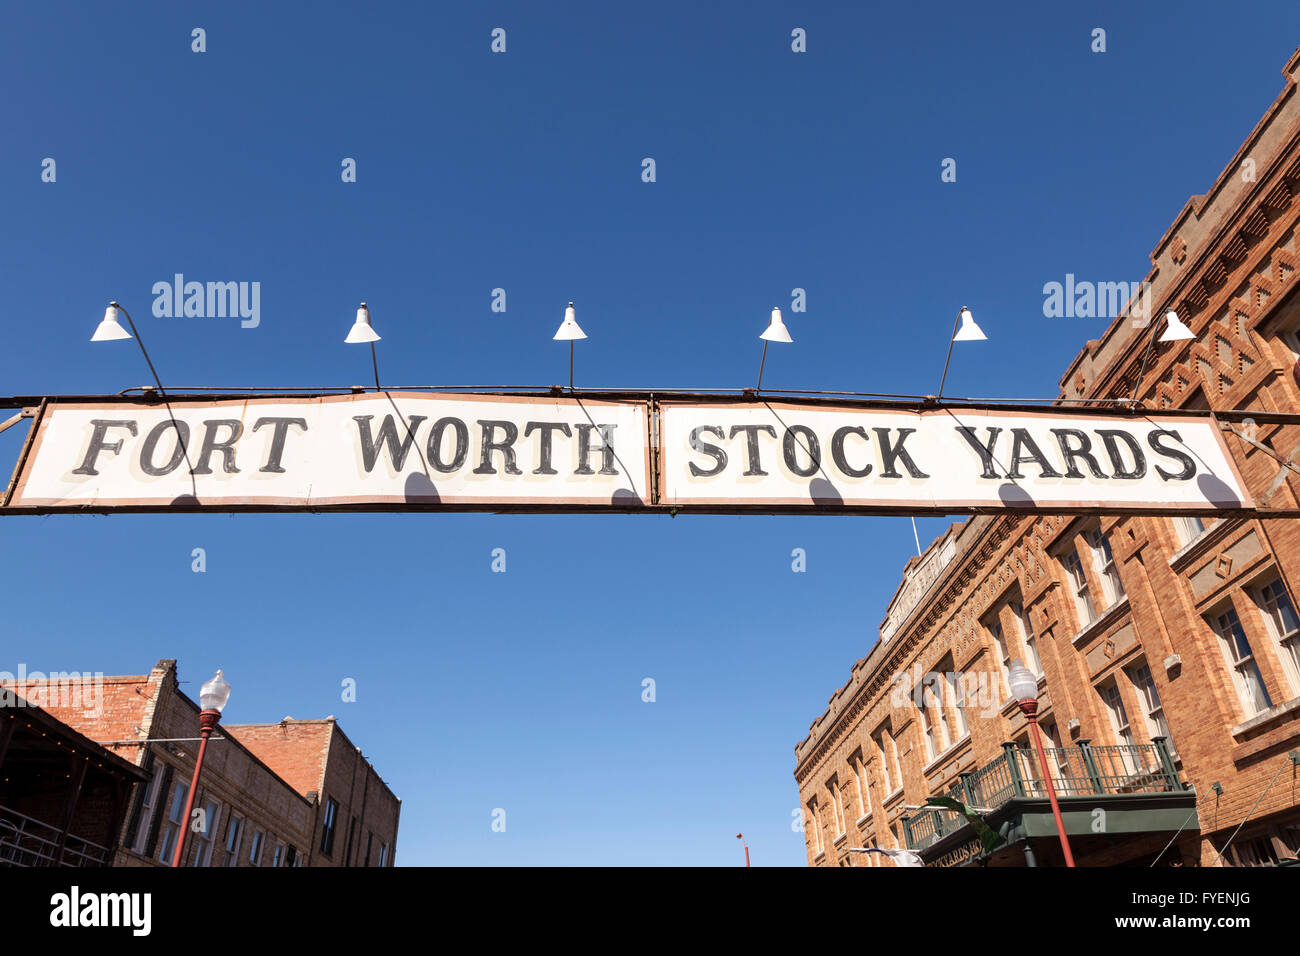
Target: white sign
(790,455)
(339,451)
(420,451)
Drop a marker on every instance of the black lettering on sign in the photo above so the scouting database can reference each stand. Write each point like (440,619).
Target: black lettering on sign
(1025,449)
(387,439)
(718,455)
(1112,438)
(891,453)
(837,451)
(97,443)
(280,430)
(544,445)
(460,448)
(506,446)
(226,447)
(983,449)
(790,444)
(151,442)
(606,449)
(1177,454)
(755,466)
(1076,445)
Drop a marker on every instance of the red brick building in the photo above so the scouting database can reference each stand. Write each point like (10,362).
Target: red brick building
(295,793)
(1167,649)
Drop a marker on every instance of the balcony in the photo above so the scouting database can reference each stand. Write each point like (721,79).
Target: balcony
(1134,785)
(27,842)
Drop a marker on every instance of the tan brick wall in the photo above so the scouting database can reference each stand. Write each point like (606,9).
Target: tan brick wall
(1233,284)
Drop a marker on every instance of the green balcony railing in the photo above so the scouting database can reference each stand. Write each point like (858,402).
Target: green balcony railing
(1081,770)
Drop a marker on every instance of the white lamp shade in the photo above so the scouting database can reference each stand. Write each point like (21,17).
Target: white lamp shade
(110,328)
(776,330)
(568,330)
(1023,683)
(361,330)
(969,331)
(1175,331)
(215,693)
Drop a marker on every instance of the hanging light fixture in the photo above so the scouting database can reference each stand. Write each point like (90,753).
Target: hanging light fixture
(362,332)
(969,331)
(570,332)
(775,332)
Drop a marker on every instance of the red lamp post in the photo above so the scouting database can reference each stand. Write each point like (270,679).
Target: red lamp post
(741,838)
(1024,687)
(212,698)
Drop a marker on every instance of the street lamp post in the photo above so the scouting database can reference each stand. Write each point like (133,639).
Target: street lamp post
(741,838)
(212,698)
(1024,688)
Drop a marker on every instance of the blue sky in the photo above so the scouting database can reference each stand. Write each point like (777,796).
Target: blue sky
(522,170)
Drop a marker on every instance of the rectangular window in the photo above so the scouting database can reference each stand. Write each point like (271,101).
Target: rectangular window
(1004,653)
(147,807)
(1118,715)
(1027,635)
(931,708)
(1145,685)
(327,826)
(234,836)
(1284,625)
(837,811)
(1189,529)
(1104,562)
(255,848)
(1241,661)
(278,857)
(884,746)
(1079,586)
(204,838)
(383,854)
(370,839)
(814,822)
(957,690)
(290,855)
(860,777)
(172,826)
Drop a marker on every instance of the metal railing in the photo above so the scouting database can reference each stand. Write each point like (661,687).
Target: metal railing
(28,842)
(1082,770)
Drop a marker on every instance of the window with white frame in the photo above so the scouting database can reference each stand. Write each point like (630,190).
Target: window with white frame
(1118,714)
(1004,653)
(932,707)
(148,805)
(1027,635)
(234,837)
(1145,685)
(837,810)
(1079,587)
(255,848)
(957,694)
(204,837)
(886,778)
(1104,562)
(1189,529)
(1052,743)
(860,778)
(814,821)
(1284,625)
(1240,658)
(277,858)
(172,825)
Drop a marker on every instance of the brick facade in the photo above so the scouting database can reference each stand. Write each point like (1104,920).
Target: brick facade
(1157,587)
(264,788)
